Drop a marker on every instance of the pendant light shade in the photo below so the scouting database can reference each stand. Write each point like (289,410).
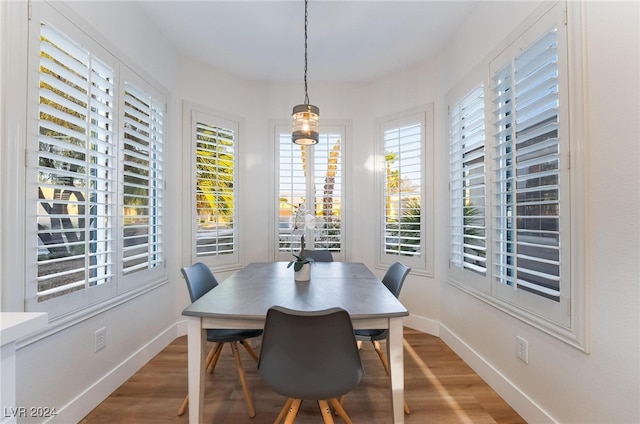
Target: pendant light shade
(306,125)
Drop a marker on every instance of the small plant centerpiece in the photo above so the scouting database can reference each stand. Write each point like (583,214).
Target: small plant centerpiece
(301,265)
(302,222)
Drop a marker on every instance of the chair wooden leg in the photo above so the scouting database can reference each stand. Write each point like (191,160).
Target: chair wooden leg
(383,358)
(293,411)
(385,364)
(212,351)
(326,412)
(283,411)
(339,410)
(215,357)
(183,407)
(243,380)
(207,363)
(247,346)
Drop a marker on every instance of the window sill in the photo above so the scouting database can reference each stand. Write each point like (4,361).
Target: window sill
(66,321)
(574,336)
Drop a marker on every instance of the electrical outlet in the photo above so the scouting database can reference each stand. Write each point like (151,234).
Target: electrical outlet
(101,338)
(522,349)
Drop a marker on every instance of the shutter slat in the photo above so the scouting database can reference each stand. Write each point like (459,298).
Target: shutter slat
(523,256)
(70,70)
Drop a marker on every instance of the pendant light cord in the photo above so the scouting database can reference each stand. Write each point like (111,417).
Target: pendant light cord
(306,22)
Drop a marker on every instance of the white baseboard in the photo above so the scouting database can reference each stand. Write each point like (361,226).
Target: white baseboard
(508,391)
(84,403)
(425,325)
(79,407)
(181,328)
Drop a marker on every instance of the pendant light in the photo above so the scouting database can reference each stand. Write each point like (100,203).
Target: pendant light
(305,116)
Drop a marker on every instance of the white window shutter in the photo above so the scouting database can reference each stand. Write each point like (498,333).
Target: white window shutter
(327,182)
(143,181)
(528,171)
(311,183)
(468,183)
(215,146)
(76,168)
(402,191)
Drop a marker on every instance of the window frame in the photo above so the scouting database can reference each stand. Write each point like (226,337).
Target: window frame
(75,304)
(559,311)
(157,269)
(565,320)
(421,264)
(327,128)
(191,113)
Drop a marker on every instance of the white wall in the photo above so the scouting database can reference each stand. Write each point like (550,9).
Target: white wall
(559,383)
(562,383)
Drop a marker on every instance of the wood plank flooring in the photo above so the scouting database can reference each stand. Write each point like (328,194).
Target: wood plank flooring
(439,388)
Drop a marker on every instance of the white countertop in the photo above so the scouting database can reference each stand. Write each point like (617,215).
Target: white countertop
(14,325)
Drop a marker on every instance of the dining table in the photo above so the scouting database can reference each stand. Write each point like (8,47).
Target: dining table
(242,300)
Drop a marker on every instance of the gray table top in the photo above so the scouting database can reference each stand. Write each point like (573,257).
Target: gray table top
(251,291)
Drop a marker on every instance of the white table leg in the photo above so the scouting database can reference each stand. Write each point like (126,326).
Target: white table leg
(396,368)
(196,343)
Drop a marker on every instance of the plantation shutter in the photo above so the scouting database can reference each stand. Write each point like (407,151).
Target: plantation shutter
(215,188)
(76,168)
(402,189)
(143,181)
(528,170)
(310,183)
(327,181)
(468,183)
(292,194)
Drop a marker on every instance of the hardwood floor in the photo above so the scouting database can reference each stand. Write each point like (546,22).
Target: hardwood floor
(439,388)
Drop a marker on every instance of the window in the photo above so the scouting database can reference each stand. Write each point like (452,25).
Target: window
(310,192)
(468,229)
(527,163)
(76,168)
(511,203)
(143,181)
(96,173)
(402,190)
(214,145)
(405,145)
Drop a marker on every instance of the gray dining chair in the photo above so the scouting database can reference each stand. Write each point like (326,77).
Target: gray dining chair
(310,355)
(319,255)
(200,280)
(393,279)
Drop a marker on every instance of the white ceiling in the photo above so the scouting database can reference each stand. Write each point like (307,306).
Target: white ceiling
(347,40)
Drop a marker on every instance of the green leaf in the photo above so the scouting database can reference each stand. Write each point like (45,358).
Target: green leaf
(297,264)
